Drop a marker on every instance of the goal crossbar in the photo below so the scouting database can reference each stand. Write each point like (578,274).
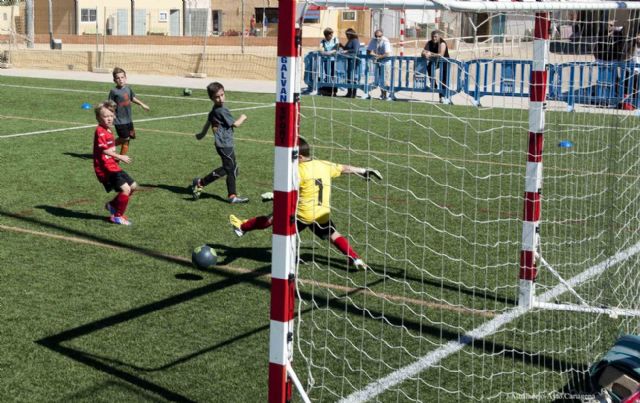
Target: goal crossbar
(482,6)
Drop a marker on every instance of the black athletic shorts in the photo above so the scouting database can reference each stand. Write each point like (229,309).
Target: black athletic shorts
(322,231)
(116,180)
(126,131)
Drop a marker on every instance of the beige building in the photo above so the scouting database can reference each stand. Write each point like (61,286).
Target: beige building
(231,17)
(9,19)
(339,20)
(124,17)
(186,18)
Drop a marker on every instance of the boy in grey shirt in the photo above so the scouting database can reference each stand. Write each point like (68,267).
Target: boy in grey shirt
(223,123)
(124,96)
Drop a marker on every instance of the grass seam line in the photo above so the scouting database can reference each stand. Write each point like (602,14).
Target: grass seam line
(240,270)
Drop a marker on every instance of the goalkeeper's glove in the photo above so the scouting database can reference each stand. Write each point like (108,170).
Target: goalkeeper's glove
(369,174)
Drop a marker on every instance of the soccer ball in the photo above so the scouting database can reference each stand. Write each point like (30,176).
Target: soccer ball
(204,257)
(186,92)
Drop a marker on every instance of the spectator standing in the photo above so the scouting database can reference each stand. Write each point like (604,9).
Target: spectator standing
(379,49)
(329,46)
(434,50)
(351,50)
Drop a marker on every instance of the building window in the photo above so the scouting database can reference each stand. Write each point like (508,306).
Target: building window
(88,15)
(163,16)
(266,15)
(4,17)
(348,16)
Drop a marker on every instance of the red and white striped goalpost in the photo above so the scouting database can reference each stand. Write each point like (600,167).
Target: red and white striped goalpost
(284,206)
(533,179)
(402,29)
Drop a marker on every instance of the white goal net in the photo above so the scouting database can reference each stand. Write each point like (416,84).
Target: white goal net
(437,315)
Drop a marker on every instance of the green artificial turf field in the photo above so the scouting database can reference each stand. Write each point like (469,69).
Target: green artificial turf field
(91,311)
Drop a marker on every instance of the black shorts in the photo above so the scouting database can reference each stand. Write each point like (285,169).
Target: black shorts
(116,180)
(322,231)
(126,131)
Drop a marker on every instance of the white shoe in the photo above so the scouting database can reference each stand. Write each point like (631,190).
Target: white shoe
(360,264)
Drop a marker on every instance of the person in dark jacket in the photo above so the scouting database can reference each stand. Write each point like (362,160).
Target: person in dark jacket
(351,50)
(434,50)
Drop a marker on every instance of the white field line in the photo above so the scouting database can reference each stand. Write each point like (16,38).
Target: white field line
(366,110)
(330,286)
(429,360)
(138,94)
(137,120)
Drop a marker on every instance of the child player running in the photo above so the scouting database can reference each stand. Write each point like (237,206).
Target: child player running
(105,164)
(314,197)
(222,124)
(123,96)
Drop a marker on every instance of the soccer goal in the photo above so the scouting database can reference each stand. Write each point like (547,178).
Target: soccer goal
(488,276)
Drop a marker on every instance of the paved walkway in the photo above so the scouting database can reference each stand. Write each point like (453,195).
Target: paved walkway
(146,79)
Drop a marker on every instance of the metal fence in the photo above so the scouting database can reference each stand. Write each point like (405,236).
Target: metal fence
(593,83)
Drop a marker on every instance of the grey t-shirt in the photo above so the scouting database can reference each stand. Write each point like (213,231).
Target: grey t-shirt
(122,97)
(221,118)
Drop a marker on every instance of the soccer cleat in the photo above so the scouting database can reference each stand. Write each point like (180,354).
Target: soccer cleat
(236,223)
(360,264)
(120,220)
(196,189)
(237,199)
(110,208)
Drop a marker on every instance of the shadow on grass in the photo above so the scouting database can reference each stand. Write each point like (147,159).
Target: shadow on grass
(189,277)
(90,393)
(399,274)
(55,342)
(231,254)
(78,155)
(183,190)
(67,213)
(259,279)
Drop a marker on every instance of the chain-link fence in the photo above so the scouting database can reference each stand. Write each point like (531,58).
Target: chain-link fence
(181,38)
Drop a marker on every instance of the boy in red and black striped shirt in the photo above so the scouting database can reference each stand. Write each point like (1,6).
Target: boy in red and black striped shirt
(106,164)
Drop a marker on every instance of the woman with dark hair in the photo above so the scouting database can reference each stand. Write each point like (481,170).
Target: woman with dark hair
(351,50)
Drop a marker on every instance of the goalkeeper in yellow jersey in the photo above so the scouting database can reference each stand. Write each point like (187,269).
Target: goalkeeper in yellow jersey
(314,209)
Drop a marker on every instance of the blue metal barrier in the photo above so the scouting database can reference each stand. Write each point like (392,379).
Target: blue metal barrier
(595,83)
(339,71)
(507,78)
(417,74)
(393,74)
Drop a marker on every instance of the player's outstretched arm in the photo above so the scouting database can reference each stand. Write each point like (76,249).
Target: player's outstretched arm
(366,173)
(144,106)
(204,131)
(240,120)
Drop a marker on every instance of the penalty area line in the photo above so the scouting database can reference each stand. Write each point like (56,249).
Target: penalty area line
(137,120)
(87,91)
(400,375)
